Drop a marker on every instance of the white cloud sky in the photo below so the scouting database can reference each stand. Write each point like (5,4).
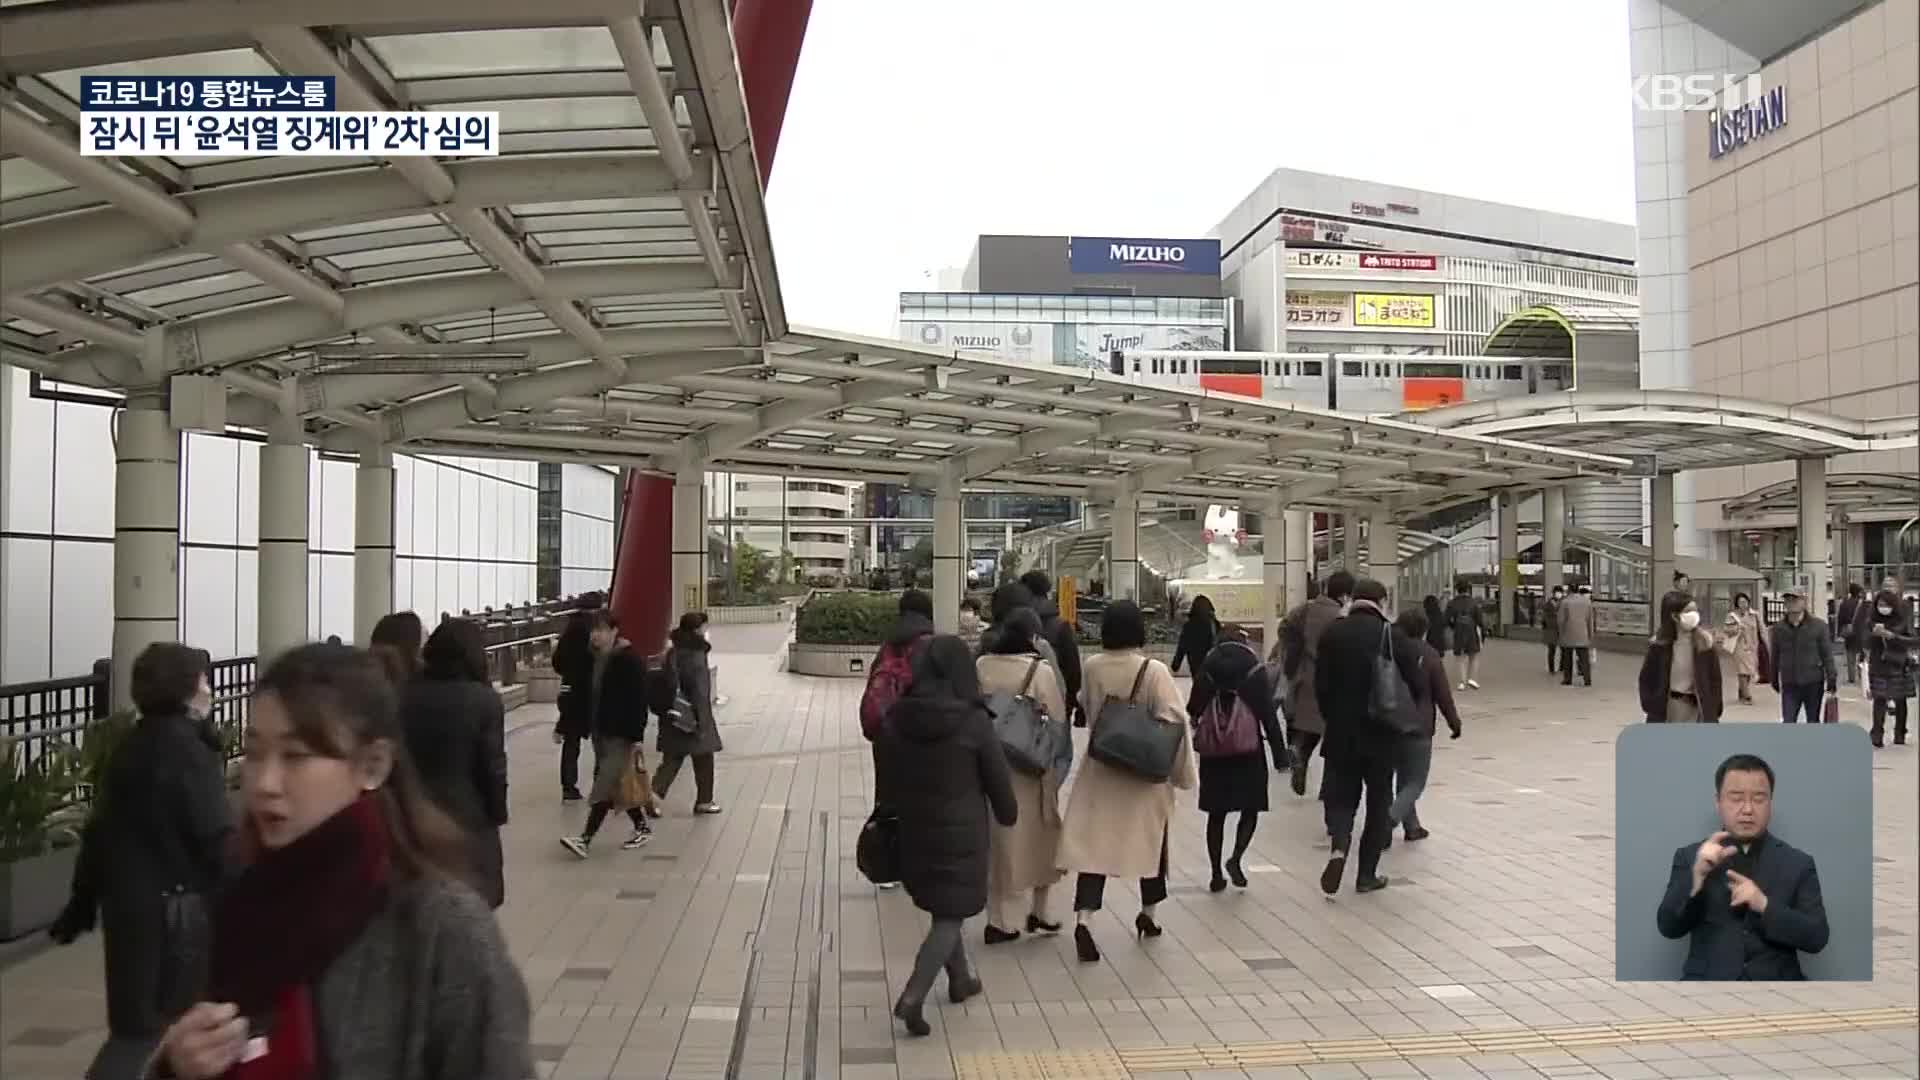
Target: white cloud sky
(916,125)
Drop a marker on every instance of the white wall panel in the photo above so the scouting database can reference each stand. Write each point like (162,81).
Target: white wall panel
(26,603)
(403,584)
(83,455)
(334,530)
(314,568)
(470,587)
(246,602)
(404,468)
(488,534)
(28,458)
(447,587)
(207,600)
(82,624)
(469,516)
(247,532)
(209,482)
(336,596)
(447,516)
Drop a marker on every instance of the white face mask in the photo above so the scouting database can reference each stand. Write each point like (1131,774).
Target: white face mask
(1885,610)
(1689,620)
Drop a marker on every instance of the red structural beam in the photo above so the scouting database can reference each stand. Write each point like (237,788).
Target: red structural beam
(767,35)
(642,581)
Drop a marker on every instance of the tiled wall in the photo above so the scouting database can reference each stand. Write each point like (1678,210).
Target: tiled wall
(1805,244)
(1666,43)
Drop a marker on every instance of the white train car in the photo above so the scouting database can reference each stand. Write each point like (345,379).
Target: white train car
(1372,383)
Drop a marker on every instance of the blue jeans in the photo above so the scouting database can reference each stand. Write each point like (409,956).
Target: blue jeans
(1410,780)
(1794,699)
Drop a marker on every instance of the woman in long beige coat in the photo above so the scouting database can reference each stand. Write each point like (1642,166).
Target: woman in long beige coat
(1740,640)
(1021,867)
(1116,822)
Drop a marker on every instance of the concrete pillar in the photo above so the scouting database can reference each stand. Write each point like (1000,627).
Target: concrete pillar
(1298,525)
(1842,548)
(1508,529)
(282,566)
(1273,570)
(689,573)
(146,536)
(1124,581)
(949,557)
(1383,555)
(1813,533)
(372,540)
(1660,540)
(1553,538)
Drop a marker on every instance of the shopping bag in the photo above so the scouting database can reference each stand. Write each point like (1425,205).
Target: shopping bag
(1830,712)
(636,787)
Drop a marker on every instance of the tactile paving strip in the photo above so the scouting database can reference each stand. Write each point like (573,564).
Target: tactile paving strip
(1127,1063)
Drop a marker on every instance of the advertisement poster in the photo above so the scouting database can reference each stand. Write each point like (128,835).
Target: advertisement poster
(1094,343)
(1023,343)
(1318,308)
(1418,392)
(1313,259)
(1392,309)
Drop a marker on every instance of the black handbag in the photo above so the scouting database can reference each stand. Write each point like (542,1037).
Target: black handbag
(1389,704)
(877,853)
(1025,731)
(1127,736)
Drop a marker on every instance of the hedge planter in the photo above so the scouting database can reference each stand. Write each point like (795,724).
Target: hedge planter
(831,661)
(33,890)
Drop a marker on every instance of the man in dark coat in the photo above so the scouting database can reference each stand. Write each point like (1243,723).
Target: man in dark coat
(1748,901)
(1059,634)
(940,768)
(1845,622)
(1361,748)
(1304,629)
(573,663)
(1803,671)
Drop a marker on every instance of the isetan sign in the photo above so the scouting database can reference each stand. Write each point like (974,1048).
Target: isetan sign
(1126,255)
(1731,128)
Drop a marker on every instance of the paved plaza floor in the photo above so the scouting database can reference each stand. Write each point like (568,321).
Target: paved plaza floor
(747,946)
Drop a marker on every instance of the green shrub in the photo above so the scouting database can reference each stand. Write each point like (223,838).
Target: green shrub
(847,618)
(30,795)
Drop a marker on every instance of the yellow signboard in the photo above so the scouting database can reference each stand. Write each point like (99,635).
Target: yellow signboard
(1067,598)
(1393,309)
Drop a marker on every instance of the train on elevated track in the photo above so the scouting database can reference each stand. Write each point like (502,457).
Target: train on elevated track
(1371,383)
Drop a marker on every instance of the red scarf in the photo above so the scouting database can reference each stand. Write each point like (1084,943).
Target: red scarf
(284,921)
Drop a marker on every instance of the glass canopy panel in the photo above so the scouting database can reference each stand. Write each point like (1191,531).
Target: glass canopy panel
(20,177)
(562,114)
(200,286)
(401,254)
(478,52)
(375,241)
(398,271)
(224,62)
(359,228)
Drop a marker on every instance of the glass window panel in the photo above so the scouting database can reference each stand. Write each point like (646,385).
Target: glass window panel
(402,254)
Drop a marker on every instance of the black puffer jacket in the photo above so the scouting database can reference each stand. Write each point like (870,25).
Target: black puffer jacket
(457,736)
(694,677)
(940,767)
(573,662)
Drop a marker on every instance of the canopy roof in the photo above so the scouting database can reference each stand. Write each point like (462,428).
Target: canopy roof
(1859,495)
(1682,429)
(1550,330)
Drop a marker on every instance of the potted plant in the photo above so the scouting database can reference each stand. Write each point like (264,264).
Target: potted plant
(35,867)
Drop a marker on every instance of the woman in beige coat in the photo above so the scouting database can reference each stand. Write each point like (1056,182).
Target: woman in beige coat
(1116,822)
(1021,867)
(1740,640)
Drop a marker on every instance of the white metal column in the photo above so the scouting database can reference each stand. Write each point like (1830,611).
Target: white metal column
(1660,540)
(1813,533)
(1335,560)
(1383,555)
(282,566)
(1298,525)
(689,541)
(1126,547)
(1508,517)
(1273,569)
(949,556)
(1553,538)
(372,541)
(146,536)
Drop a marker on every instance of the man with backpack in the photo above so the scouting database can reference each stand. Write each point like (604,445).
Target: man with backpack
(1059,634)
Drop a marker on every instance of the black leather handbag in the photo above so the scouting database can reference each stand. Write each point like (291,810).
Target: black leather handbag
(1127,736)
(877,853)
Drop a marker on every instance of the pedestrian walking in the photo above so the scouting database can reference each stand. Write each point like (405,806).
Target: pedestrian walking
(692,732)
(1116,820)
(1197,634)
(1023,868)
(1845,618)
(1892,647)
(1436,626)
(617,691)
(573,663)
(1433,696)
(349,931)
(1550,627)
(1239,691)
(1578,629)
(1680,676)
(395,641)
(1306,626)
(941,770)
(1803,669)
(1740,640)
(456,731)
(1058,633)
(1467,630)
(1363,730)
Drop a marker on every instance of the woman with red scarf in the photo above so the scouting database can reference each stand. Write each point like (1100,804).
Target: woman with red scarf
(350,946)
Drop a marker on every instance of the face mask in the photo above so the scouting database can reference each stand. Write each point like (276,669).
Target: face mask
(1689,620)
(1885,610)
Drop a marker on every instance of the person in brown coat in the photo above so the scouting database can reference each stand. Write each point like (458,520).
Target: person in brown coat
(1680,678)
(1304,627)
(1577,627)
(1022,868)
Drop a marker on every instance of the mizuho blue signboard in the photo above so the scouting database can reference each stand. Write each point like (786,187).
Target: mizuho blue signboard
(1132,255)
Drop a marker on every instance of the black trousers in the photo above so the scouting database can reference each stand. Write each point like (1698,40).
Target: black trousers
(570,763)
(1553,657)
(1571,653)
(1090,890)
(1350,780)
(702,776)
(1881,706)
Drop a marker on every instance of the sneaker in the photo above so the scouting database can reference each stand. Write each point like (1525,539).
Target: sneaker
(706,808)
(637,840)
(1461,687)
(1473,684)
(576,844)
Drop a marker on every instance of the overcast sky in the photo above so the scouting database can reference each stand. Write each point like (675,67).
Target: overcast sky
(917,125)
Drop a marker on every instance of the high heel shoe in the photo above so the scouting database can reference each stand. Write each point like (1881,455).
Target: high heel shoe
(1218,884)
(1144,926)
(1084,946)
(1238,875)
(1037,925)
(995,936)
(914,1018)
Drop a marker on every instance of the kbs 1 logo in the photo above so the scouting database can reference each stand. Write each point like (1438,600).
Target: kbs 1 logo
(1693,93)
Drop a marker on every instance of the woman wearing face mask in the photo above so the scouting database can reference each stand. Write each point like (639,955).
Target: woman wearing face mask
(151,853)
(1680,678)
(1740,639)
(1891,648)
(696,736)
(348,947)
(970,625)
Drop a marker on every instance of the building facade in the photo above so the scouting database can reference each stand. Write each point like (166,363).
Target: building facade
(1793,207)
(804,517)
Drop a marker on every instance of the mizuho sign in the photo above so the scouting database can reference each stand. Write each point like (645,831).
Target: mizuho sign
(1128,255)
